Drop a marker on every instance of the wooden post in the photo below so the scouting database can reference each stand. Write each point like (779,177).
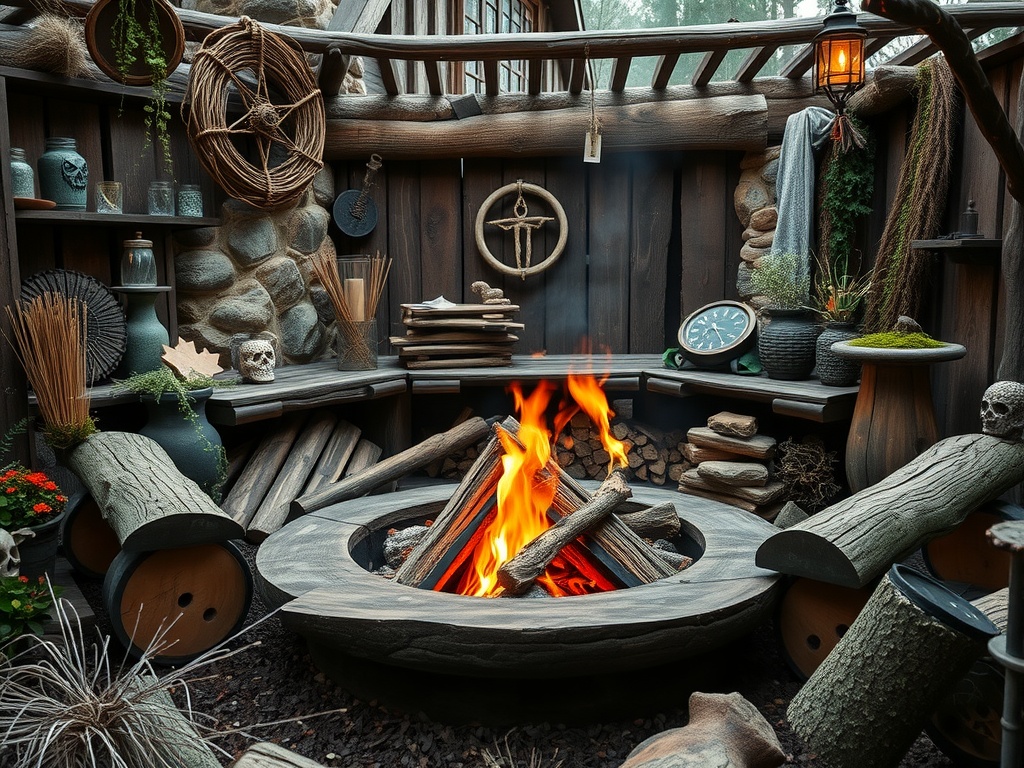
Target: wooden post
(855,540)
(147,501)
(179,744)
(868,700)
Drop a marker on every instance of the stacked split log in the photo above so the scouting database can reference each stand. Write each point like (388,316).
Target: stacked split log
(732,465)
(301,454)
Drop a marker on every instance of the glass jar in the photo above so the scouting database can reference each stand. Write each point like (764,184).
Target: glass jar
(161,198)
(138,266)
(23,178)
(190,200)
(63,174)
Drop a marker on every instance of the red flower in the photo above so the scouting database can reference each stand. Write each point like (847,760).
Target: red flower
(41,508)
(23,579)
(61,498)
(36,478)
(49,485)
(11,489)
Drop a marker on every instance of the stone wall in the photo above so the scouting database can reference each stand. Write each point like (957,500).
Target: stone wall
(250,278)
(754,201)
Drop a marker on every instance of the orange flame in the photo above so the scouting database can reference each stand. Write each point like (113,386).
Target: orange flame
(527,486)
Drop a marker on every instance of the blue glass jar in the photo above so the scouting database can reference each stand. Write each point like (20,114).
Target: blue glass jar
(23,178)
(63,174)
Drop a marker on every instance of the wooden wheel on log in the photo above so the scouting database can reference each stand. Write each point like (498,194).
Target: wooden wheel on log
(517,224)
(813,616)
(965,554)
(89,543)
(204,590)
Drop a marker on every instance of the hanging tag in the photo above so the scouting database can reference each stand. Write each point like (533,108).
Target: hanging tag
(592,148)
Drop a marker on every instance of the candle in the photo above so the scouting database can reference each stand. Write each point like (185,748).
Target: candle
(355,298)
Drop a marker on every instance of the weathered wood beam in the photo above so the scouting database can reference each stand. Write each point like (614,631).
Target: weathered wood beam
(1002,52)
(578,76)
(887,88)
(875,44)
(663,71)
(800,63)
(707,68)
(333,68)
(535,76)
(727,122)
(362,16)
(754,63)
(390,76)
(620,73)
(435,79)
(925,48)
(492,86)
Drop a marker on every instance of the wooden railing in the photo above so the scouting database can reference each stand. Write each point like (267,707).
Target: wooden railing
(762,40)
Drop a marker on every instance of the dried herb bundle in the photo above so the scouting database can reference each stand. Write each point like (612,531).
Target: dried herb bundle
(349,313)
(808,471)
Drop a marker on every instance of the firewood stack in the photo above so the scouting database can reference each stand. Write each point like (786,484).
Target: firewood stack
(457,336)
(732,465)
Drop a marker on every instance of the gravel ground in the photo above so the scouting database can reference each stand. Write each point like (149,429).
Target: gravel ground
(564,723)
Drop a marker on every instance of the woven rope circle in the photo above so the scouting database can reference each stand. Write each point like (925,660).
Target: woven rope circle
(520,188)
(282,107)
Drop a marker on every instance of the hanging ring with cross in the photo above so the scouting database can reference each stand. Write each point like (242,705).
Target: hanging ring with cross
(517,224)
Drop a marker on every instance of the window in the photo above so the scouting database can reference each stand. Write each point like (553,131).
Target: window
(492,17)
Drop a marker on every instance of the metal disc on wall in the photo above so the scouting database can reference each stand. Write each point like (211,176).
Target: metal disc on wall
(354,213)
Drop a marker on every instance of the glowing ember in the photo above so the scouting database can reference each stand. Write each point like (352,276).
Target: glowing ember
(527,488)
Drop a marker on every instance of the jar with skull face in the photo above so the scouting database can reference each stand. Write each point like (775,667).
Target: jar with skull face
(63,174)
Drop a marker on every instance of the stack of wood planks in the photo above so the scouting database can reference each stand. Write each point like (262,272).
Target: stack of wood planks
(457,336)
(304,452)
(730,461)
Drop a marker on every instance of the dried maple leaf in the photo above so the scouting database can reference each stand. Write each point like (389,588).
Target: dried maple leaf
(185,360)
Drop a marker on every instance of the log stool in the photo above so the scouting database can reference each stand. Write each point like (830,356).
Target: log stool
(88,541)
(177,587)
(812,617)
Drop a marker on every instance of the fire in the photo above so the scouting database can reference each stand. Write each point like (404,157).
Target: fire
(527,486)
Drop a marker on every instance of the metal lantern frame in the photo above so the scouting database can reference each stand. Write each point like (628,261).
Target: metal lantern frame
(839,56)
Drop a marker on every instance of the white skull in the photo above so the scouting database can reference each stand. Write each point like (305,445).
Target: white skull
(256,360)
(75,172)
(10,559)
(1002,410)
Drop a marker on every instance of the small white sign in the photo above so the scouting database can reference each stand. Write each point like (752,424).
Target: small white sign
(592,148)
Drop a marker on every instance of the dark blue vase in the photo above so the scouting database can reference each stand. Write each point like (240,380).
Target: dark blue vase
(63,174)
(194,450)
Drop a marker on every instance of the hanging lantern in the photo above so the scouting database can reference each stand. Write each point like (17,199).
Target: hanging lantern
(839,56)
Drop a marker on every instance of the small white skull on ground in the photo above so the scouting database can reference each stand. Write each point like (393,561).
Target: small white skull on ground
(1002,410)
(10,559)
(256,360)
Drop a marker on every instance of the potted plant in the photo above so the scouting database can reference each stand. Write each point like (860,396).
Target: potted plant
(24,603)
(787,335)
(838,296)
(31,509)
(183,431)
(139,42)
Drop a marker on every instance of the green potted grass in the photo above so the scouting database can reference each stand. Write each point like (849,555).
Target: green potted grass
(787,333)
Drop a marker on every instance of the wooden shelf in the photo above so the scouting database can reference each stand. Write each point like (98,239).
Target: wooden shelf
(90,218)
(965,250)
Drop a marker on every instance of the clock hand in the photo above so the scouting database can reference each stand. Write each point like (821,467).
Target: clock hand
(714,327)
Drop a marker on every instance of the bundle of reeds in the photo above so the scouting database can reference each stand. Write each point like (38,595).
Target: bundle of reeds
(355,304)
(49,341)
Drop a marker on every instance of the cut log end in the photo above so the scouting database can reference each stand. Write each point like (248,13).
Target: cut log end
(799,553)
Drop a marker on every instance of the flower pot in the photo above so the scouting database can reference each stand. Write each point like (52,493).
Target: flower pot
(99,38)
(833,370)
(786,342)
(39,553)
(195,450)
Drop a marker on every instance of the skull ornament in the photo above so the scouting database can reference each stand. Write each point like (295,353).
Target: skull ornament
(10,559)
(75,172)
(1002,410)
(256,360)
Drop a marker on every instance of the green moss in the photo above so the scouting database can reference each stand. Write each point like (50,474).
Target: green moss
(897,340)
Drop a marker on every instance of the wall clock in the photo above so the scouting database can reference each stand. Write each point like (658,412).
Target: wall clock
(717,333)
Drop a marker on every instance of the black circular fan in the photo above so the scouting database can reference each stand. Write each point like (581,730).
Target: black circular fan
(105,325)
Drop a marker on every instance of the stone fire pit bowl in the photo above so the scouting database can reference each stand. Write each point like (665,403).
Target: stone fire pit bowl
(317,567)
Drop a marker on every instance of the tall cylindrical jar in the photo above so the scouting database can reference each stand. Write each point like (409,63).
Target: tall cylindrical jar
(63,174)
(138,266)
(23,178)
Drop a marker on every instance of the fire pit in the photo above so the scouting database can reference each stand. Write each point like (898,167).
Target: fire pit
(318,568)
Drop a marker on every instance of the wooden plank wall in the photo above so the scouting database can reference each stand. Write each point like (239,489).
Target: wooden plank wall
(652,236)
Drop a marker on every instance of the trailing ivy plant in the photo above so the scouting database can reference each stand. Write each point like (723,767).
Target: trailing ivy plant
(135,41)
(848,183)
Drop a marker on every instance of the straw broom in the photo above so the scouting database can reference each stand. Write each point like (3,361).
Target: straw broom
(326,270)
(49,342)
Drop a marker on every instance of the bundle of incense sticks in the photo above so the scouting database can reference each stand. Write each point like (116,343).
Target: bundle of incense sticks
(354,300)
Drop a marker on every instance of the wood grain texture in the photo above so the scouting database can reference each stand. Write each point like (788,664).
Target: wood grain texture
(721,596)
(269,755)
(147,501)
(334,459)
(757,447)
(650,231)
(855,540)
(608,283)
(703,197)
(566,302)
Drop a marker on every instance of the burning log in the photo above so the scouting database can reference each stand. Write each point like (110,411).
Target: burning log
(434,447)
(519,573)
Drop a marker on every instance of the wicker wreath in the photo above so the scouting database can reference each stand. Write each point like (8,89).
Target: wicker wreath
(256,64)
(521,221)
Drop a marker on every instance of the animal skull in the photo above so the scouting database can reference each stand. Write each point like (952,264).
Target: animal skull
(75,172)
(256,360)
(10,559)
(1002,410)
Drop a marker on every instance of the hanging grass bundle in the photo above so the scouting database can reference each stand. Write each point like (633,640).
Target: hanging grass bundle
(284,115)
(54,44)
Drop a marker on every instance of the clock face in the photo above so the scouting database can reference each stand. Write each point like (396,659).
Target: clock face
(717,332)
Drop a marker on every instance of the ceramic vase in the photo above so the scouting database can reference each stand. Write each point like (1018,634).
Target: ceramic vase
(835,371)
(785,343)
(39,553)
(194,450)
(63,174)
